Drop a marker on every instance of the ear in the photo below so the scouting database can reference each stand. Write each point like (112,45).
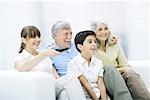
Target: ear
(23,40)
(79,46)
(54,35)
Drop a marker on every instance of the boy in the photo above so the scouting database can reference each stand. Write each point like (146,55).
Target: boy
(87,68)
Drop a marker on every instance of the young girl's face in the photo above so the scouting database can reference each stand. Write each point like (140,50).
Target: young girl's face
(32,43)
(89,45)
(102,33)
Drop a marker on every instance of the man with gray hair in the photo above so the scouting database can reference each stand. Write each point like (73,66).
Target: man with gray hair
(67,88)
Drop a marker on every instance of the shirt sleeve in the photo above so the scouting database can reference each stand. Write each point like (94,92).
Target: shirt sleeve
(18,57)
(122,61)
(73,69)
(100,68)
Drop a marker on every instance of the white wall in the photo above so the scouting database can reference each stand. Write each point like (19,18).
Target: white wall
(137,29)
(127,19)
(14,16)
(80,14)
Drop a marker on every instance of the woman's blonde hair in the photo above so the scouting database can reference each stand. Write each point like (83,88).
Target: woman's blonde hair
(95,25)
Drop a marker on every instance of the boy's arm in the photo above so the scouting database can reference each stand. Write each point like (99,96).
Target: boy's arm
(102,88)
(87,86)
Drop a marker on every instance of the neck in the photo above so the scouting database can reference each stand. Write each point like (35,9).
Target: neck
(87,57)
(32,51)
(103,45)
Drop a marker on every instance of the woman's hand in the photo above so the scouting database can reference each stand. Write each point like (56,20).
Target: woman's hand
(113,39)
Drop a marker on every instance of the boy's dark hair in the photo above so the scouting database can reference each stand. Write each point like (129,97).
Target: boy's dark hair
(81,36)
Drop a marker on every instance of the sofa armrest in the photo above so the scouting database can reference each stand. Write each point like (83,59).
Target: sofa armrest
(26,86)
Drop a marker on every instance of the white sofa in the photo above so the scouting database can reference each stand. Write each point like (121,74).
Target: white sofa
(40,86)
(26,86)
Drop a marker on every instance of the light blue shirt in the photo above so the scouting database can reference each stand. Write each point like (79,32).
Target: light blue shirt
(61,61)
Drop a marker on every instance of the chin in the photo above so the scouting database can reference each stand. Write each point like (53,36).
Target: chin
(67,46)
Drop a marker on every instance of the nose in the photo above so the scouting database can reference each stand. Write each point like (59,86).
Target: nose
(103,31)
(95,44)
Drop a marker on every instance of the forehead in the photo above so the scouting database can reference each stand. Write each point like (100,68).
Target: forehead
(63,31)
(103,25)
(90,37)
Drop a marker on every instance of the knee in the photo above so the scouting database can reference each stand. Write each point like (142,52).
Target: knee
(129,72)
(110,68)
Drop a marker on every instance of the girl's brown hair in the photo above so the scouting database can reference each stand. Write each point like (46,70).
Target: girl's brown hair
(28,32)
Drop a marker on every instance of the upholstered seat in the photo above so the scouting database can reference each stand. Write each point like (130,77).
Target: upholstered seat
(26,86)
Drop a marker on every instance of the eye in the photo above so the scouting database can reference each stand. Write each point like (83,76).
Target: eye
(100,29)
(106,28)
(68,33)
(89,41)
(95,41)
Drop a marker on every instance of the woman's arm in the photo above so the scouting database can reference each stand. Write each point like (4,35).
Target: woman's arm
(32,62)
(122,60)
(87,86)
(102,88)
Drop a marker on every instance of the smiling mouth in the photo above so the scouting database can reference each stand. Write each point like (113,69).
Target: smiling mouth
(68,42)
(93,49)
(37,44)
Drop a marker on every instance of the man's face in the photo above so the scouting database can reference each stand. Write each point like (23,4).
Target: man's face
(63,38)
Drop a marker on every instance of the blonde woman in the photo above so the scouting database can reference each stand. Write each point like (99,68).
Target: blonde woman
(114,55)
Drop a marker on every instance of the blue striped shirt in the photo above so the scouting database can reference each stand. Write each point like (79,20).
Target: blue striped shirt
(61,61)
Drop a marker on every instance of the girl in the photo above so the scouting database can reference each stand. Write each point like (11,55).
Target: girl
(28,58)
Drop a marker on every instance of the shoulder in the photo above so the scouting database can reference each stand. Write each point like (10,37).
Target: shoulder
(18,56)
(73,47)
(23,55)
(115,46)
(97,61)
(75,60)
(98,64)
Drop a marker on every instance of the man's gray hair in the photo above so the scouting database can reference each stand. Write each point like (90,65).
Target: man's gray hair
(60,25)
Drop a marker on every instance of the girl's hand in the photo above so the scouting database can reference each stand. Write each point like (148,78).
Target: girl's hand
(51,52)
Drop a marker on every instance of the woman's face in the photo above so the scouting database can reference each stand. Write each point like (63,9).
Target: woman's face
(63,38)
(32,43)
(102,32)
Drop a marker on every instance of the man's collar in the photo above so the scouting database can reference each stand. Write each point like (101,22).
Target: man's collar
(61,50)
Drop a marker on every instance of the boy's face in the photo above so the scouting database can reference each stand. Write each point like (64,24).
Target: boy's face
(89,46)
